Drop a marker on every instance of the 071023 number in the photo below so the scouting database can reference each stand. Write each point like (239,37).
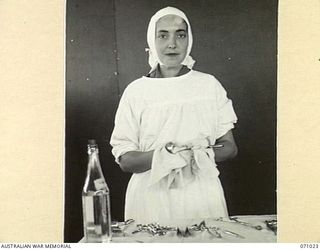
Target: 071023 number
(311,245)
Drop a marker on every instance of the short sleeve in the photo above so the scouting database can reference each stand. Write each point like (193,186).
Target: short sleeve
(226,114)
(124,137)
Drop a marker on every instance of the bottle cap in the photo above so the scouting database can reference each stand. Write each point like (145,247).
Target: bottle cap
(92,141)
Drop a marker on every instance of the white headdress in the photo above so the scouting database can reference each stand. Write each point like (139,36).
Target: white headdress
(151,34)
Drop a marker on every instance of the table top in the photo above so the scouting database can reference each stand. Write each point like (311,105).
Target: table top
(248,229)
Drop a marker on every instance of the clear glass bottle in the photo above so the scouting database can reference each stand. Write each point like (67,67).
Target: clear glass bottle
(96,200)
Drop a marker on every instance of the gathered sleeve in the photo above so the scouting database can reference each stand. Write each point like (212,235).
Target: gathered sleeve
(226,114)
(125,135)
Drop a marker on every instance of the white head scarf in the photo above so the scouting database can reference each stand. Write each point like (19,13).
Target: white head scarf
(151,35)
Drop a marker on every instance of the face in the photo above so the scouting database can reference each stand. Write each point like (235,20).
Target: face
(171,40)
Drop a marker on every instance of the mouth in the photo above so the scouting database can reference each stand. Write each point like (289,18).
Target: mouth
(172,54)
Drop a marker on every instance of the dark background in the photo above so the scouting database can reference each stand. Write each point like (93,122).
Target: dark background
(235,40)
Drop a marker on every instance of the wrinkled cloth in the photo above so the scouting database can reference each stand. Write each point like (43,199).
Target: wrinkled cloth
(153,56)
(178,169)
(154,111)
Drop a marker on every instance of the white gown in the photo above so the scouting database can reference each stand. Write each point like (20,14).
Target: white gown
(154,111)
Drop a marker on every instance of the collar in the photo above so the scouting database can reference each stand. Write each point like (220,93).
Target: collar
(156,73)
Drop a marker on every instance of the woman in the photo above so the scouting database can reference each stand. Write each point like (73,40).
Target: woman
(173,104)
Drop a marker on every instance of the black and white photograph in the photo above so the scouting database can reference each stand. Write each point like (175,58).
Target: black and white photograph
(159,121)
(171,121)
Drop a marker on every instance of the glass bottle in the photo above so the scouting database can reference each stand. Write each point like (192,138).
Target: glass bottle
(96,200)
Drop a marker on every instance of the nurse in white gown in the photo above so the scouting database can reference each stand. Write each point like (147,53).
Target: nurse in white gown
(174,103)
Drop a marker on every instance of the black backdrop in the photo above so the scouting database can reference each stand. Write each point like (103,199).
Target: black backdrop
(235,40)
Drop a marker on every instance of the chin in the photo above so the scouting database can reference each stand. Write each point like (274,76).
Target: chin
(172,64)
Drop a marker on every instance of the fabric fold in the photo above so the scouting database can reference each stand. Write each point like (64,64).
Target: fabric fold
(178,169)
(165,165)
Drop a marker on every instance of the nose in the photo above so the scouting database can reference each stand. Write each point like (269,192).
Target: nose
(172,43)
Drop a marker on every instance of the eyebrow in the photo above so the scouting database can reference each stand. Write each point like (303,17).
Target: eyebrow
(179,30)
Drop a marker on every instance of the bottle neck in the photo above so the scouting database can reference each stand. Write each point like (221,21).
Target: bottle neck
(94,166)
(93,158)
(93,148)
(95,180)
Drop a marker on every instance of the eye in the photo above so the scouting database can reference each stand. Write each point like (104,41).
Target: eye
(162,36)
(182,35)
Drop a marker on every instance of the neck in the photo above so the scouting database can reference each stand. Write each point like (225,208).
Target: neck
(170,71)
